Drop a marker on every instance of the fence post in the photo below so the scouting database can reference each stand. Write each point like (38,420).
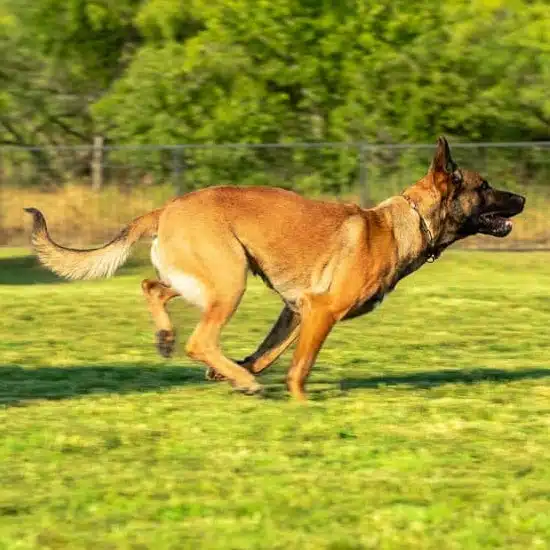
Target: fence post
(97,163)
(363,176)
(177,169)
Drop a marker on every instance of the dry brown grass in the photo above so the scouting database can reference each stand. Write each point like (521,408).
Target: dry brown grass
(78,216)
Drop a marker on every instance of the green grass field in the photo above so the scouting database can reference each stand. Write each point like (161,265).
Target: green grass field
(427,427)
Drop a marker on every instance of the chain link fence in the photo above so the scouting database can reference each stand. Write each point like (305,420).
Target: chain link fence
(89,192)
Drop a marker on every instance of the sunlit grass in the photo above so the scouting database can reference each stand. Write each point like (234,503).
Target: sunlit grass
(427,426)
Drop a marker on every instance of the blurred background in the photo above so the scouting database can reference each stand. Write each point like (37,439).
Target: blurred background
(108,109)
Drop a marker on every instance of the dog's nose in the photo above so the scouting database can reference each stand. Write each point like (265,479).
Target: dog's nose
(521,201)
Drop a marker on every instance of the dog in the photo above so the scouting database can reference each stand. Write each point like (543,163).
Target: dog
(327,261)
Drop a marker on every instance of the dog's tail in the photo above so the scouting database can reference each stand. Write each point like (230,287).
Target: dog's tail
(93,263)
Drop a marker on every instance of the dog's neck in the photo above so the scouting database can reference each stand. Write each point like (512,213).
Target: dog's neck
(425,229)
(425,214)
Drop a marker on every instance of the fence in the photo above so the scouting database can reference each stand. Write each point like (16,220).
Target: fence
(89,192)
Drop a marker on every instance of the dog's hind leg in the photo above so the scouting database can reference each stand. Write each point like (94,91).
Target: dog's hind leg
(158,295)
(221,293)
(204,343)
(283,333)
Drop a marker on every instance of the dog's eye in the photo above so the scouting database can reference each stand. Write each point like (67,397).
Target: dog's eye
(484,186)
(456,177)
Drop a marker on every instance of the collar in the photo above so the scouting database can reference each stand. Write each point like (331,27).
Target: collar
(432,252)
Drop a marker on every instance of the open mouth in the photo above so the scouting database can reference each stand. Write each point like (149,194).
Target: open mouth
(495,221)
(496,224)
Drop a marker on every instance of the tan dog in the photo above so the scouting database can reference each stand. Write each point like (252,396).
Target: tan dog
(327,261)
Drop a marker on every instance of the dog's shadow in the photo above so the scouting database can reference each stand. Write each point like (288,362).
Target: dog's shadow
(430,379)
(25,270)
(19,385)
(320,388)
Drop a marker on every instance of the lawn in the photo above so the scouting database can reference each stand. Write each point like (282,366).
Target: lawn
(427,428)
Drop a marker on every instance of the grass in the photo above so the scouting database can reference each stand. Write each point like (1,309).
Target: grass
(427,426)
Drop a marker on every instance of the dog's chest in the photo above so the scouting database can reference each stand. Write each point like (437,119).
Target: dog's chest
(367,306)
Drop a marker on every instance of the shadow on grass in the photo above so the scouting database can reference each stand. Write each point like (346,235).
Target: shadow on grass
(19,385)
(26,270)
(275,388)
(442,377)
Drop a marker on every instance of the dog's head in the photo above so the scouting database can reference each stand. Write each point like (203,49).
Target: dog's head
(468,204)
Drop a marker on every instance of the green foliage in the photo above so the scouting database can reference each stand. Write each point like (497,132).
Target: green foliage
(205,71)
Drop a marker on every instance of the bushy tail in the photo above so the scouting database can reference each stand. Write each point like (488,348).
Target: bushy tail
(89,264)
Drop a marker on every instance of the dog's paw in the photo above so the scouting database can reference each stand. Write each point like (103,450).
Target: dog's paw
(166,342)
(249,389)
(214,375)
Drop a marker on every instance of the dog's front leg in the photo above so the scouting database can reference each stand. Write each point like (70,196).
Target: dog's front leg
(317,322)
(280,337)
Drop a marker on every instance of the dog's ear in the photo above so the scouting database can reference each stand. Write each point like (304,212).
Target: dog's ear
(443,161)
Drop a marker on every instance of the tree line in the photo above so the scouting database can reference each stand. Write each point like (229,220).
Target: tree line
(257,71)
(188,71)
